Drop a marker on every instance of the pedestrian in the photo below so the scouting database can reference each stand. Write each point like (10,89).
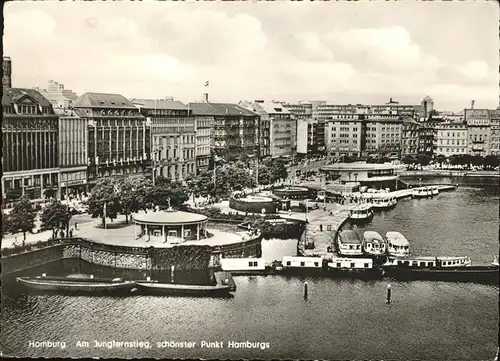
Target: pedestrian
(324,208)
(76,225)
(71,233)
(321,228)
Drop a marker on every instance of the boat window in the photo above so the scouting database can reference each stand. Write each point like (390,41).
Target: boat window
(429,264)
(400,263)
(406,263)
(366,265)
(414,263)
(316,264)
(250,264)
(289,263)
(255,264)
(339,265)
(351,247)
(302,264)
(422,264)
(352,264)
(444,263)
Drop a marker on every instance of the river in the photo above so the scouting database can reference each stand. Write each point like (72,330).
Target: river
(341,319)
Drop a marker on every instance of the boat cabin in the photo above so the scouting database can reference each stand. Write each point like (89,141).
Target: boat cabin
(373,243)
(349,243)
(350,263)
(361,211)
(302,262)
(242,264)
(431,262)
(397,244)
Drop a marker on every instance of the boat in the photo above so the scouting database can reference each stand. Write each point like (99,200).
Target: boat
(393,201)
(455,269)
(397,244)
(245,266)
(349,244)
(435,191)
(301,265)
(363,212)
(373,244)
(76,284)
(224,285)
(359,267)
(381,202)
(420,193)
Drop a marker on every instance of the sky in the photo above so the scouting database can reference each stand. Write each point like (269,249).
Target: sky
(341,52)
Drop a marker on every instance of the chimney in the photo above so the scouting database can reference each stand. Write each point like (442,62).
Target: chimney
(472,104)
(205,95)
(7,73)
(259,101)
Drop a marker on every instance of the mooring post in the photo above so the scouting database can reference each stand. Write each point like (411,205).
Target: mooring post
(389,294)
(172,269)
(305,290)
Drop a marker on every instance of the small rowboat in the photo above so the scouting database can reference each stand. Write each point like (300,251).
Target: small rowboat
(75,285)
(224,286)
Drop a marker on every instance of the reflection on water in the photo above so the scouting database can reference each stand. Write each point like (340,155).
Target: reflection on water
(342,319)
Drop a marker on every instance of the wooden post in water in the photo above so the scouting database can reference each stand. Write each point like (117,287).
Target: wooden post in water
(172,269)
(389,294)
(305,290)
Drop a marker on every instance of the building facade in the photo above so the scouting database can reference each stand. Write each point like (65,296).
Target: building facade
(30,146)
(410,137)
(495,132)
(118,137)
(59,97)
(72,155)
(478,131)
(382,136)
(451,138)
(235,129)
(173,137)
(204,141)
(7,73)
(344,136)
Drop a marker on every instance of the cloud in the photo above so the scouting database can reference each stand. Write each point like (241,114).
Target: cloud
(476,70)
(311,47)
(35,25)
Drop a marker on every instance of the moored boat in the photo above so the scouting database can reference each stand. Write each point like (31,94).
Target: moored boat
(224,285)
(455,269)
(359,267)
(349,244)
(301,265)
(245,266)
(382,201)
(361,213)
(420,193)
(435,191)
(76,284)
(373,244)
(397,244)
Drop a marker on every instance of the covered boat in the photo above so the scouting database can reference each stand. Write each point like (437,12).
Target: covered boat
(301,265)
(373,244)
(363,212)
(358,267)
(382,201)
(421,193)
(349,244)
(76,284)
(224,285)
(244,266)
(397,244)
(455,269)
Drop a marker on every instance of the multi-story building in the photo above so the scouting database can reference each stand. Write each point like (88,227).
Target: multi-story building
(478,131)
(204,141)
(72,154)
(282,128)
(29,145)
(451,138)
(344,136)
(382,135)
(495,131)
(7,73)
(427,107)
(118,137)
(59,97)
(263,129)
(173,137)
(410,137)
(312,137)
(426,138)
(235,129)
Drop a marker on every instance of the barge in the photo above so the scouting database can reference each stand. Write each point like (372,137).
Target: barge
(353,267)
(76,285)
(224,286)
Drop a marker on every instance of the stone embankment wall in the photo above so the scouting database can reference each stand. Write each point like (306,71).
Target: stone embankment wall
(255,206)
(30,259)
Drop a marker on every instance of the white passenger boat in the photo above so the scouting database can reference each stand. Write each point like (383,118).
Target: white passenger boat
(435,191)
(244,266)
(349,244)
(420,193)
(353,266)
(429,262)
(373,244)
(363,212)
(397,244)
(301,265)
(381,201)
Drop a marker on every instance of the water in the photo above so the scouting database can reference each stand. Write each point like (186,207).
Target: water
(344,319)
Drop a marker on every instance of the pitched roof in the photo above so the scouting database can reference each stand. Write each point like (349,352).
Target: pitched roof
(219,109)
(14,95)
(159,104)
(272,108)
(103,100)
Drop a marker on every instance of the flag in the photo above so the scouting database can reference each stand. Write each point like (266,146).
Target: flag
(207,83)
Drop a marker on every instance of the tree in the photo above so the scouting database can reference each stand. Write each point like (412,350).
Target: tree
(104,193)
(5,223)
(22,217)
(55,216)
(132,195)
(264,174)
(277,169)
(167,193)
(491,161)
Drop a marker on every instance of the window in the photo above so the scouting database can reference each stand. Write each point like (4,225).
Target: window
(422,264)
(352,265)
(288,263)
(316,264)
(250,264)
(302,264)
(339,265)
(366,265)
